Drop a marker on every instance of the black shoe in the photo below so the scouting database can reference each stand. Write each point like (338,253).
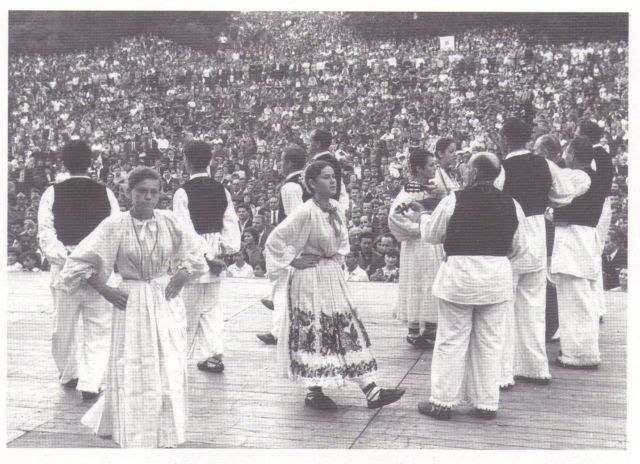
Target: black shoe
(267,339)
(601,320)
(320,401)
(89,396)
(386,396)
(421,342)
(507,387)
(268,303)
(538,381)
(588,367)
(212,364)
(485,414)
(432,410)
(73,383)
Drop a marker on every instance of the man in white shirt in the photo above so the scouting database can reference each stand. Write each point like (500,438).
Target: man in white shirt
(535,183)
(576,265)
(481,230)
(204,206)
(292,196)
(353,272)
(68,212)
(240,268)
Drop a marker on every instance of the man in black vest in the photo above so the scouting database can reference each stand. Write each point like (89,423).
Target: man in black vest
(204,206)
(575,263)
(602,161)
(481,230)
(535,183)
(68,212)
(319,150)
(292,195)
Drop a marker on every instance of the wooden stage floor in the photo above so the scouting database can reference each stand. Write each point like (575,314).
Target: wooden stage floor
(248,406)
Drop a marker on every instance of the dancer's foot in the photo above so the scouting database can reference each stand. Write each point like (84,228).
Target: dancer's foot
(485,414)
(212,364)
(559,362)
(267,339)
(89,396)
(437,412)
(318,400)
(268,303)
(536,380)
(421,342)
(384,396)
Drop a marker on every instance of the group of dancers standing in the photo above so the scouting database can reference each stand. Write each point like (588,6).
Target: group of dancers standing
(146,282)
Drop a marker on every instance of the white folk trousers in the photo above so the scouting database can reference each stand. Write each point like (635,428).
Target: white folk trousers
(205,320)
(578,314)
(466,357)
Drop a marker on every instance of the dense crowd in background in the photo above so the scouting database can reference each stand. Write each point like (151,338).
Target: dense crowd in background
(281,76)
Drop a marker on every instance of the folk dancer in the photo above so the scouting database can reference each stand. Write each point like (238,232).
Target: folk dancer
(144,405)
(205,207)
(292,196)
(68,212)
(481,230)
(535,183)
(419,261)
(576,261)
(323,342)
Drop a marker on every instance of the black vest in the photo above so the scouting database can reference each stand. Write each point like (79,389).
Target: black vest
(297,179)
(79,205)
(207,204)
(586,209)
(337,169)
(483,223)
(528,180)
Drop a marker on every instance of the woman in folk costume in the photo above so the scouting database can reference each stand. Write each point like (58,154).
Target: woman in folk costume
(323,342)
(145,402)
(446,176)
(419,261)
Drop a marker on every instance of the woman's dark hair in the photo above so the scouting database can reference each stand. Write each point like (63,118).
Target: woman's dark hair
(442,144)
(418,159)
(253,232)
(141,174)
(313,171)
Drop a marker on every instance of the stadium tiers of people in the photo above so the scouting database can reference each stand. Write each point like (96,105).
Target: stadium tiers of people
(274,80)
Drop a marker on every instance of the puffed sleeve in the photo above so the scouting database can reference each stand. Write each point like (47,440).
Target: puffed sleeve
(401,225)
(287,241)
(96,254)
(187,246)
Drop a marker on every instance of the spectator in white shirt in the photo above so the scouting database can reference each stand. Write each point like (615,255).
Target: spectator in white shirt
(353,272)
(240,268)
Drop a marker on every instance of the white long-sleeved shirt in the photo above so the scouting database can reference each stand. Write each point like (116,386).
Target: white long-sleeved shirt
(229,237)
(472,280)
(54,250)
(291,194)
(357,275)
(344,195)
(566,184)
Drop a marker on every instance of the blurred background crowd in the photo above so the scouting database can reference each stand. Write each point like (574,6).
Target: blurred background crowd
(274,77)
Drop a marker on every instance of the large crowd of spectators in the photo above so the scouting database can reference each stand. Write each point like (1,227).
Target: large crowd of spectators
(274,78)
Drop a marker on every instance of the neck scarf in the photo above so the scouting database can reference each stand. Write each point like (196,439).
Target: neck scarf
(334,217)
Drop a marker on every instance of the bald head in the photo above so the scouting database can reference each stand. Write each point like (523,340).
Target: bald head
(484,167)
(547,146)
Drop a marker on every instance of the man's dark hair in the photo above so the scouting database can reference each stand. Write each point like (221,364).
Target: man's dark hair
(517,132)
(443,143)
(582,149)
(322,137)
(296,156)
(366,234)
(198,154)
(418,159)
(591,131)
(77,156)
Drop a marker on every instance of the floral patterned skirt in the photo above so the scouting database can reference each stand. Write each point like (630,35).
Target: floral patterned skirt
(325,341)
